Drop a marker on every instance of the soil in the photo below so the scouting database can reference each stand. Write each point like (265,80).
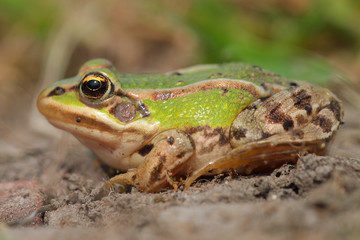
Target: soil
(317,198)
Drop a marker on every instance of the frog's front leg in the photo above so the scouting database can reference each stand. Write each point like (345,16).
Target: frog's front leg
(167,154)
(272,131)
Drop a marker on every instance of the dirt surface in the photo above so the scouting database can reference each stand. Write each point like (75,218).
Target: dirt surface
(317,198)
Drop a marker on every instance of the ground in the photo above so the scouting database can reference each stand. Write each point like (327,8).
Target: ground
(317,198)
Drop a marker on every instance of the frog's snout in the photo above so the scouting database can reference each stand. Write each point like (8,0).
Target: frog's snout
(44,98)
(41,101)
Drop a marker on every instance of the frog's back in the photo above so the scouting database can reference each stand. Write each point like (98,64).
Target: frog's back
(187,76)
(210,95)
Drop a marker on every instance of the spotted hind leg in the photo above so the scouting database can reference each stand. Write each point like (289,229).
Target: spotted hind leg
(272,131)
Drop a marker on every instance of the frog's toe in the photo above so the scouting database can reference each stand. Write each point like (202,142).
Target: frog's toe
(123,180)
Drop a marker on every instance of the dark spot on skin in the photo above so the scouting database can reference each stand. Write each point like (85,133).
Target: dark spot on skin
(146,149)
(264,86)
(251,107)
(324,123)
(133,177)
(143,109)
(125,112)
(265,135)
(263,99)
(239,133)
(335,107)
(277,116)
(287,124)
(223,139)
(155,173)
(225,91)
(171,140)
(58,91)
(299,134)
(177,73)
(180,155)
(207,130)
(78,119)
(302,101)
(308,109)
(293,187)
(293,84)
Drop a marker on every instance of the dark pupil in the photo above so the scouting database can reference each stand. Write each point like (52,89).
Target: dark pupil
(93,84)
(94,88)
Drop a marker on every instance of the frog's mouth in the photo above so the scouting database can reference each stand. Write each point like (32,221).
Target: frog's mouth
(72,116)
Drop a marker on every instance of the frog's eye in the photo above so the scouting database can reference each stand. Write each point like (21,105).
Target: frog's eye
(95,86)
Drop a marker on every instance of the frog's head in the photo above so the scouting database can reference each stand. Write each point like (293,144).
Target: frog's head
(94,108)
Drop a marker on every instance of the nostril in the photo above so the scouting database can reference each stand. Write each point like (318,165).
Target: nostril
(57,92)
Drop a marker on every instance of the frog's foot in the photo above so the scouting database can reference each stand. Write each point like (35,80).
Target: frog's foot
(272,131)
(122,179)
(169,152)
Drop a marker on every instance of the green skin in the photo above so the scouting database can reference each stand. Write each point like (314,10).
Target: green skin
(210,107)
(192,121)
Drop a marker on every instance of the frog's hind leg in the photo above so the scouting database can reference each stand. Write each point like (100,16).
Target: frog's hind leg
(256,157)
(166,155)
(272,131)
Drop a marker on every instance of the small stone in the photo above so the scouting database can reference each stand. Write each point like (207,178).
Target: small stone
(19,199)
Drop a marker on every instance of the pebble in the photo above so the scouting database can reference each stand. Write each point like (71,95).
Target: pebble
(19,199)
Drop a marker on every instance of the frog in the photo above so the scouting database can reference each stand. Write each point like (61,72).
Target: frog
(167,130)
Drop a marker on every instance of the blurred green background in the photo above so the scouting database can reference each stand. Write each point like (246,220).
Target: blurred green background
(41,41)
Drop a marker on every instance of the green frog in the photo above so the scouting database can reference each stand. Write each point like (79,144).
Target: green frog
(163,130)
